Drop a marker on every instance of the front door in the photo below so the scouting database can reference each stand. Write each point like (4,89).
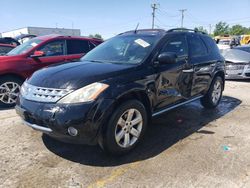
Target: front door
(174,81)
(54,53)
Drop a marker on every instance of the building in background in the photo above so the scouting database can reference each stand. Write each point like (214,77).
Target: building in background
(38,31)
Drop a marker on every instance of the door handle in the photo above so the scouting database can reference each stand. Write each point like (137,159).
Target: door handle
(188,70)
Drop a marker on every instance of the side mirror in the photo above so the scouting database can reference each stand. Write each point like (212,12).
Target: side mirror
(167,58)
(38,54)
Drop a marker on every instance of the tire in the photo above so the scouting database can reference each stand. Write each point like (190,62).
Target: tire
(120,138)
(9,90)
(214,94)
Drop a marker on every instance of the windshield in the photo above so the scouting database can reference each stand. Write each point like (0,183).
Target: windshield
(23,48)
(123,49)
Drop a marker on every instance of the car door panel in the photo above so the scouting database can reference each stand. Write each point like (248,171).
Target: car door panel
(174,84)
(54,53)
(202,64)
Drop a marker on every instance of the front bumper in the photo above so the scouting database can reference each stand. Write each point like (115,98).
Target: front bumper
(55,119)
(235,71)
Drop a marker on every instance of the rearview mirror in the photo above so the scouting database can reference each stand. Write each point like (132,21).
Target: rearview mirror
(167,58)
(38,54)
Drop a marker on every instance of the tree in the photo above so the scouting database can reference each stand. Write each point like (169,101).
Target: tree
(96,36)
(238,30)
(221,28)
(201,28)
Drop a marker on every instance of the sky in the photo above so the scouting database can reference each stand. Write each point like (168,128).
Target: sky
(111,17)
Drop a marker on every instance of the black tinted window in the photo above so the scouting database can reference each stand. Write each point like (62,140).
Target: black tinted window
(77,46)
(177,45)
(211,44)
(92,45)
(4,50)
(197,46)
(54,48)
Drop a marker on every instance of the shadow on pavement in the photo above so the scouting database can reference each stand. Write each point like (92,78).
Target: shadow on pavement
(164,131)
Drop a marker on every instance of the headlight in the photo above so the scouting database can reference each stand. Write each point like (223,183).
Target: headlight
(24,89)
(85,94)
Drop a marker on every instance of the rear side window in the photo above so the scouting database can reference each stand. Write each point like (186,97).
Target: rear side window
(77,46)
(211,44)
(92,45)
(177,45)
(197,46)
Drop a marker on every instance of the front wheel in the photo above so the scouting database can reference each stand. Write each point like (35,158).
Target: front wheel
(125,128)
(9,91)
(214,94)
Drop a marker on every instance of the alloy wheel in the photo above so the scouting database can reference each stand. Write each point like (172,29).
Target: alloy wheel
(216,94)
(128,128)
(9,92)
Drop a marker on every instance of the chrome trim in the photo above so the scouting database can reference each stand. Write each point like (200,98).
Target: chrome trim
(175,106)
(37,127)
(188,70)
(42,94)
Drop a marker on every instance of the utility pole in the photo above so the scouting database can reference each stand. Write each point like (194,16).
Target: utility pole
(182,16)
(153,6)
(210,29)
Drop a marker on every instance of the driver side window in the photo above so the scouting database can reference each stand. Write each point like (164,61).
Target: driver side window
(55,48)
(177,45)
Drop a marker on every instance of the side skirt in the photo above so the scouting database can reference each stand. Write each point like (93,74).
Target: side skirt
(175,106)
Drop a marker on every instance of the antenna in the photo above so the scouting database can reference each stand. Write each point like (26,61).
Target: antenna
(136,28)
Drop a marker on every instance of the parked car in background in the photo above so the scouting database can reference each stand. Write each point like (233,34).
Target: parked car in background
(37,53)
(227,41)
(109,97)
(245,39)
(5,48)
(9,40)
(24,38)
(237,62)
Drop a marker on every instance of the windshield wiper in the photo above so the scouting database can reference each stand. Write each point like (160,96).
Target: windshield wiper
(95,61)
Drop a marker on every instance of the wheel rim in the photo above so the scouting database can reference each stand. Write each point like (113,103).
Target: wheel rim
(9,92)
(216,94)
(128,128)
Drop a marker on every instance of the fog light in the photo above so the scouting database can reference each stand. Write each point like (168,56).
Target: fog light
(72,131)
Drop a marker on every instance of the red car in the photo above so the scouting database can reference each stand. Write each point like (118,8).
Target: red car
(36,53)
(5,48)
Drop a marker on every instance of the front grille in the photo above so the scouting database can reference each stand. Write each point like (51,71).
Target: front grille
(247,74)
(41,94)
(235,67)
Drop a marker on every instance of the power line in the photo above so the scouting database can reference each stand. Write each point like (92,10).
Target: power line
(182,16)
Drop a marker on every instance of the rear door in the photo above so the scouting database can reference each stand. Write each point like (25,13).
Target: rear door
(173,83)
(202,62)
(76,49)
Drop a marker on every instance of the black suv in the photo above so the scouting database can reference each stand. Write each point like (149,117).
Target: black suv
(111,94)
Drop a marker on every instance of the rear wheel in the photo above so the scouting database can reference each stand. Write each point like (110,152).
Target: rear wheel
(125,128)
(214,94)
(9,90)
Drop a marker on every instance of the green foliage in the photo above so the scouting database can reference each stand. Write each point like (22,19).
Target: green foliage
(238,30)
(201,28)
(221,28)
(96,36)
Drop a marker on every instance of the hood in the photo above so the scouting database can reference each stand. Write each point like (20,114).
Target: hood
(77,74)
(10,58)
(236,56)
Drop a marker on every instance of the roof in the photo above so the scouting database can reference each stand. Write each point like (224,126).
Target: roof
(52,36)
(162,31)
(7,45)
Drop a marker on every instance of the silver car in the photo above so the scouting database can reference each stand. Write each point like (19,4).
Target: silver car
(237,62)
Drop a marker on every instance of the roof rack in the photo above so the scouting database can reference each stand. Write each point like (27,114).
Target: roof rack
(185,30)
